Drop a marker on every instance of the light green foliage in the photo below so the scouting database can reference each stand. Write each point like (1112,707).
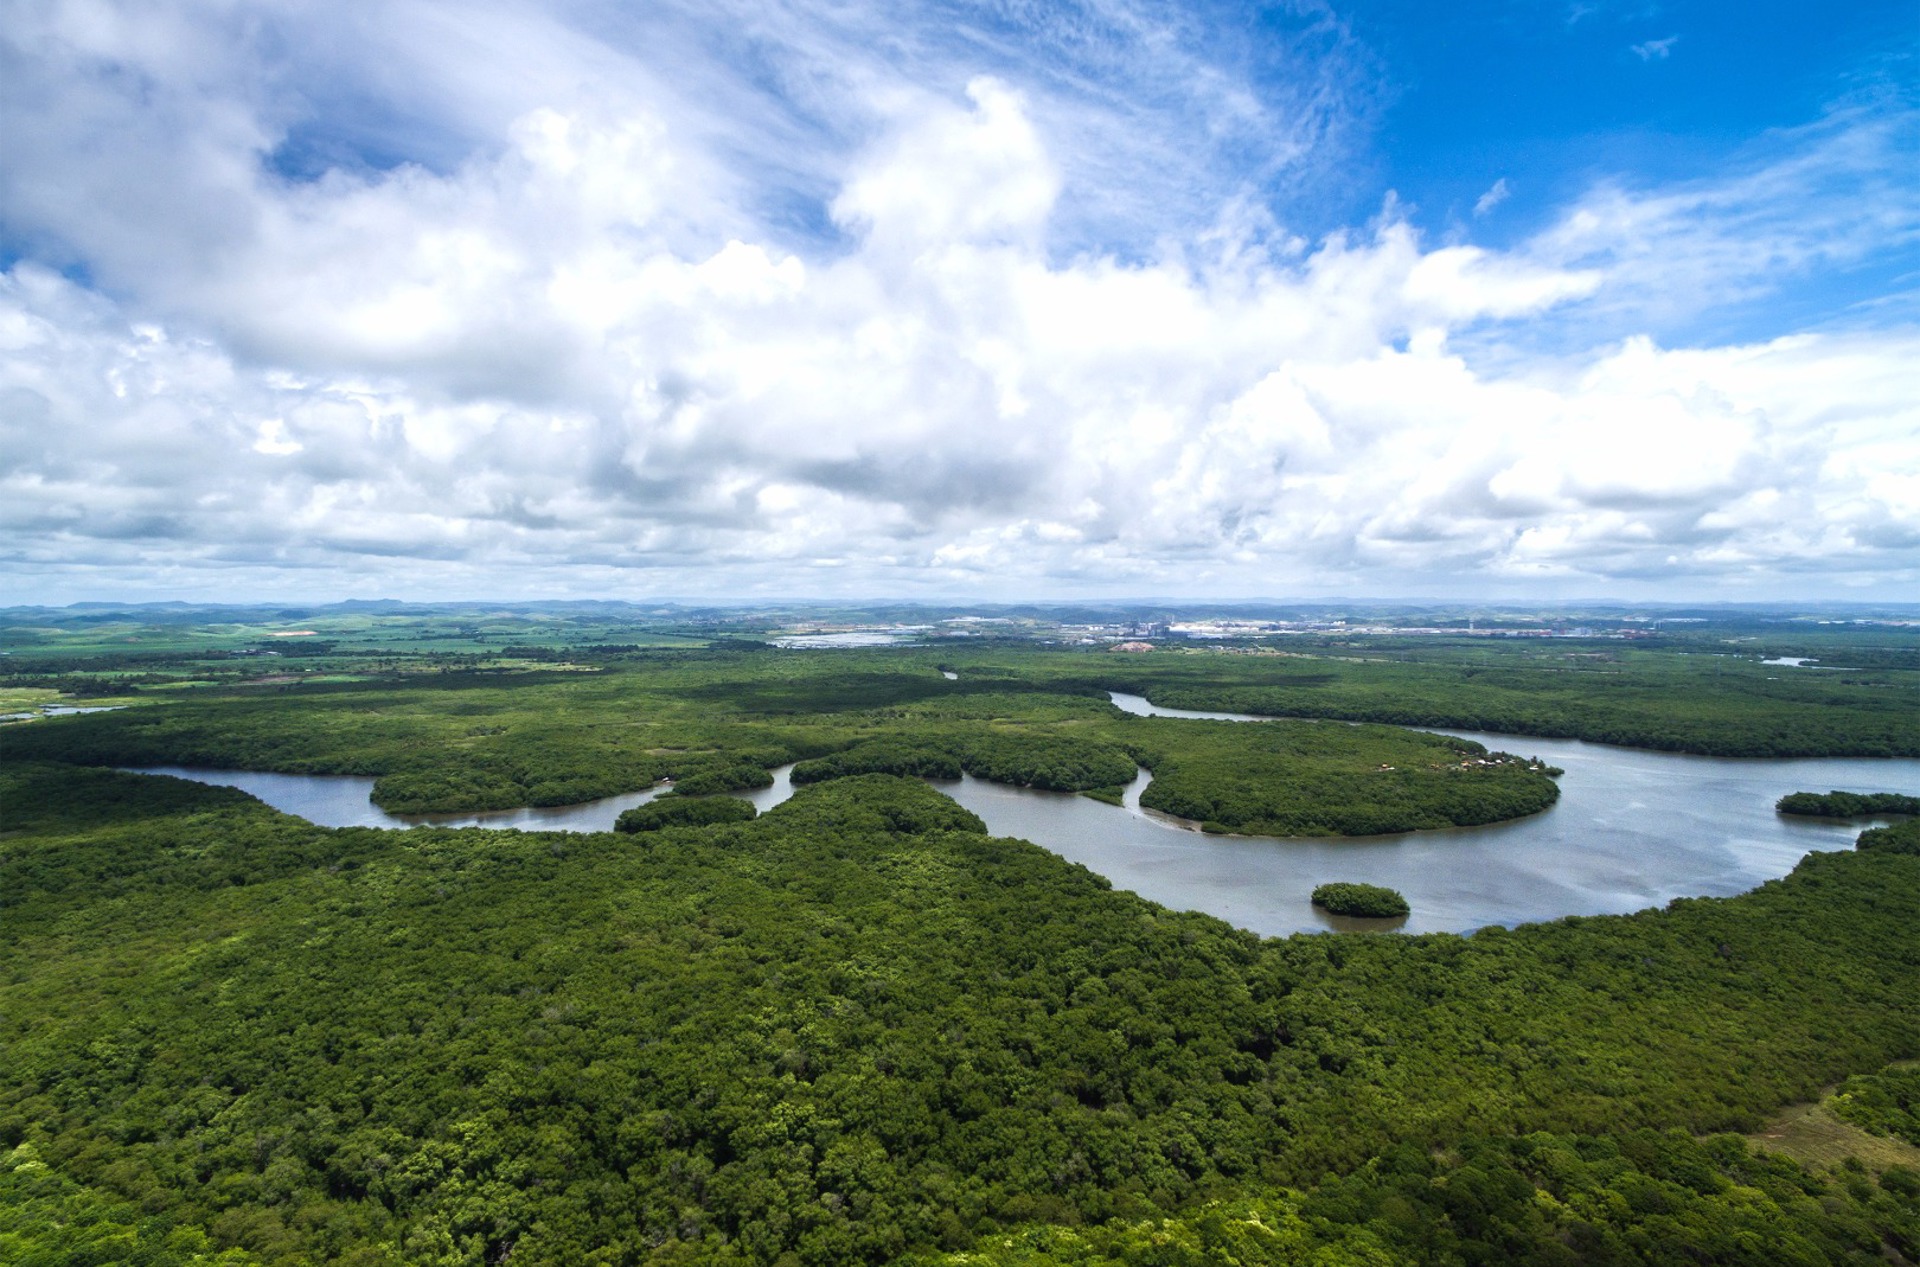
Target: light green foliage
(1677,703)
(1644,1198)
(48,1220)
(1885,1103)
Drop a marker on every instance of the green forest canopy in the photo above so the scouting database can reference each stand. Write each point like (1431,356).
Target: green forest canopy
(1847,804)
(717,723)
(855,1028)
(1368,901)
(858,1029)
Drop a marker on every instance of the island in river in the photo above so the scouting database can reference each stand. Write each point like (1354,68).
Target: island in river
(859,1028)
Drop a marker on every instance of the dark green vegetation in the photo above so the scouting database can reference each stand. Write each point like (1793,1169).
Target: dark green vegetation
(733,776)
(1885,1103)
(679,811)
(1691,681)
(857,1028)
(1645,700)
(1847,804)
(1368,901)
(1294,778)
(882,756)
(1900,838)
(718,721)
(1055,761)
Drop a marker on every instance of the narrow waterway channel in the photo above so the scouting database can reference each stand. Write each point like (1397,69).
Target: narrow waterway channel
(345,800)
(1632,829)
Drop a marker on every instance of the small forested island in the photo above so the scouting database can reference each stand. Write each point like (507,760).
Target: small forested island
(1365,901)
(1847,804)
(857,1028)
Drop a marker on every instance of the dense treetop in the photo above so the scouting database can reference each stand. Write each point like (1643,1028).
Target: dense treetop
(1368,901)
(858,1029)
(1848,804)
(853,1028)
(716,723)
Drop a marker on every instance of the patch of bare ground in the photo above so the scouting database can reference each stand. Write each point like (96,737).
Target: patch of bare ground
(1813,1135)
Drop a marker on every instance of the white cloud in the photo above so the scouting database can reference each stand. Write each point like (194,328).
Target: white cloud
(1820,199)
(1494,196)
(578,359)
(1655,50)
(951,177)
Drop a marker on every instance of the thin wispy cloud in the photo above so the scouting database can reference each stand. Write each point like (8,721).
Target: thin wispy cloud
(1495,195)
(1655,50)
(1822,197)
(971,299)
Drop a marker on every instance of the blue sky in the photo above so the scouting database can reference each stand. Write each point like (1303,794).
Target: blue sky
(1574,92)
(1553,98)
(945,299)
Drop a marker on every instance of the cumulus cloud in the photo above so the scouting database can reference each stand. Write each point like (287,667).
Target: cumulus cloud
(577,353)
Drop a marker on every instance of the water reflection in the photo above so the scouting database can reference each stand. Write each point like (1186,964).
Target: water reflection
(60,710)
(1632,829)
(342,800)
(1359,923)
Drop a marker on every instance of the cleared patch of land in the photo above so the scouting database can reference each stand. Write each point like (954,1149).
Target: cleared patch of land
(1813,1135)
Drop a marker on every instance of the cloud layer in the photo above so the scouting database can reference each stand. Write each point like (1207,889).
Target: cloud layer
(809,313)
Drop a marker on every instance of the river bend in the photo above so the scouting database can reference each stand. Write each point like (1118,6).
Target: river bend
(1632,829)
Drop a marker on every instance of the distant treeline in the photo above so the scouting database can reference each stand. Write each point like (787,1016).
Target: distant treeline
(1675,703)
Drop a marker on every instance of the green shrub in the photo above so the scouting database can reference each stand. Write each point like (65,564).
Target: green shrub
(1901,838)
(680,811)
(1368,900)
(1053,762)
(912,760)
(1885,1103)
(735,777)
(1847,804)
(873,802)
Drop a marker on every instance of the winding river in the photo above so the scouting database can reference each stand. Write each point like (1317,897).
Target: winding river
(1632,829)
